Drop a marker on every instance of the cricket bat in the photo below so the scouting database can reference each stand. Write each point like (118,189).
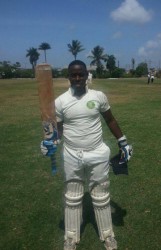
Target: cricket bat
(44,79)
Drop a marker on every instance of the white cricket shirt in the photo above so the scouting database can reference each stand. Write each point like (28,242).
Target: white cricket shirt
(81,118)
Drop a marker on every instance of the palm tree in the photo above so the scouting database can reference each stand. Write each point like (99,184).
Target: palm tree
(33,55)
(111,63)
(44,47)
(133,63)
(75,47)
(98,56)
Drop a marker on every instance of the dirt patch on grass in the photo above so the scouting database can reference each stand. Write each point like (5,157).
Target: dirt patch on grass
(114,98)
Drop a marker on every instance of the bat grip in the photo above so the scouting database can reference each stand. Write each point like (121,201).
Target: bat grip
(53,164)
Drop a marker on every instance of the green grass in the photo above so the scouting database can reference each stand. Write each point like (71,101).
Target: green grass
(31,199)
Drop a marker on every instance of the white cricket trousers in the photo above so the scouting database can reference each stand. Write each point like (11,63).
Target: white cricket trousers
(82,165)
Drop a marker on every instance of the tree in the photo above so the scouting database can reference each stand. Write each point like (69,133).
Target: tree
(44,46)
(17,65)
(9,70)
(75,47)
(110,63)
(6,69)
(97,55)
(33,55)
(118,72)
(142,69)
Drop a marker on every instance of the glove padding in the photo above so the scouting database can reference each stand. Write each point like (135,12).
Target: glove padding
(50,131)
(126,153)
(48,148)
(126,150)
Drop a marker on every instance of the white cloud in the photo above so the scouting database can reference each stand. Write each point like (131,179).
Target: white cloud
(142,52)
(72,27)
(159,36)
(152,44)
(117,35)
(88,54)
(131,11)
(151,47)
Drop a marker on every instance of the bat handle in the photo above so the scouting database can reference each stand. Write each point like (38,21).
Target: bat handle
(53,164)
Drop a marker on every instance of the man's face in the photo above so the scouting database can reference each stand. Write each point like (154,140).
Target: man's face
(77,77)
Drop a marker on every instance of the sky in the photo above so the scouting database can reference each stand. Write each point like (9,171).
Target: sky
(124,28)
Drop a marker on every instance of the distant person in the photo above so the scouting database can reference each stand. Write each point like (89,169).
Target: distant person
(90,76)
(152,78)
(149,77)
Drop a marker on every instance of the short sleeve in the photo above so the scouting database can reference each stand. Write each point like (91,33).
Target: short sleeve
(104,103)
(59,113)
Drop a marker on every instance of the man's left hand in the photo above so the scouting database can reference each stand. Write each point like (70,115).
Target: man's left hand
(126,153)
(126,150)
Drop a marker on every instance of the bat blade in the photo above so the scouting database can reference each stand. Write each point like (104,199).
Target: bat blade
(47,105)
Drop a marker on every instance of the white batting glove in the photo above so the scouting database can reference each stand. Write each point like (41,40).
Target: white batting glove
(126,150)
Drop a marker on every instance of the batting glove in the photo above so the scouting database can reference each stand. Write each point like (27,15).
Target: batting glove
(48,148)
(126,150)
(51,133)
(55,137)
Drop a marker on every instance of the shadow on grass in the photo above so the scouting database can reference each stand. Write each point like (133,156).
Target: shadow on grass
(118,214)
(88,213)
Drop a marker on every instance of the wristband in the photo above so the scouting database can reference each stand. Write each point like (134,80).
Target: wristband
(122,138)
(122,141)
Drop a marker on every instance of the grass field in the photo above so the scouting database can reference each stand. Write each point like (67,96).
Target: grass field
(31,199)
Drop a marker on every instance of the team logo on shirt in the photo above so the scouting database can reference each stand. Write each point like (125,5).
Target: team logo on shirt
(91,104)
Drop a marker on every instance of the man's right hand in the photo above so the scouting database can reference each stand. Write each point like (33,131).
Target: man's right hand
(48,147)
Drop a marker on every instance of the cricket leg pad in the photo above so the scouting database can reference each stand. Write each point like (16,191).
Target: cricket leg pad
(74,192)
(101,203)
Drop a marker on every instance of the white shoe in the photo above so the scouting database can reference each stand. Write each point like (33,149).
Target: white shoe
(110,243)
(69,245)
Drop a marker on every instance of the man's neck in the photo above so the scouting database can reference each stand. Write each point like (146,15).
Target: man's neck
(79,92)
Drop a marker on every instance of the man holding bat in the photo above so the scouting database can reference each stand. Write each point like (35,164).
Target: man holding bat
(85,155)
